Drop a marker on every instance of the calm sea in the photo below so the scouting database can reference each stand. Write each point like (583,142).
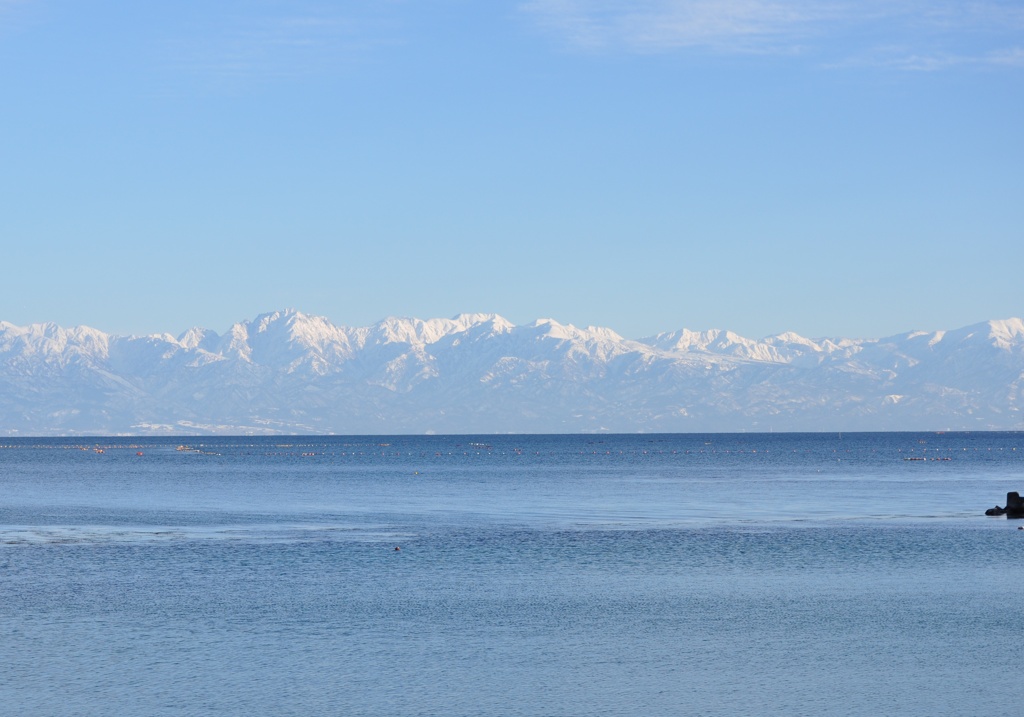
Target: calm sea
(770,574)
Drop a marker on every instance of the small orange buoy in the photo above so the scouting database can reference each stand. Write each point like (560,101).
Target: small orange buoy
(138,453)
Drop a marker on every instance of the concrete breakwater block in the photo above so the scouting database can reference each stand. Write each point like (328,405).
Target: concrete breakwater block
(1014,507)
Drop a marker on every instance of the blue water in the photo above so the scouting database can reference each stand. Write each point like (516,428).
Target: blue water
(796,574)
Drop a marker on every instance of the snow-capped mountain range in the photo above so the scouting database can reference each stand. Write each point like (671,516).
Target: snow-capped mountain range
(288,372)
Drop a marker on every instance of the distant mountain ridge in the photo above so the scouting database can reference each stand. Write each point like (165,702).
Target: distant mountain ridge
(291,373)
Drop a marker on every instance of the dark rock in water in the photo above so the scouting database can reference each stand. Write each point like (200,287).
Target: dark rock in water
(1014,507)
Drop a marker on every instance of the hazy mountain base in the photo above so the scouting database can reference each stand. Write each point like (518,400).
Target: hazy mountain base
(286,372)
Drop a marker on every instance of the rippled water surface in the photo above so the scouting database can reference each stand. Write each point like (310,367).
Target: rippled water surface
(537,575)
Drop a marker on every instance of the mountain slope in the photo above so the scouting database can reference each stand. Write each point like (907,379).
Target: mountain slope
(287,372)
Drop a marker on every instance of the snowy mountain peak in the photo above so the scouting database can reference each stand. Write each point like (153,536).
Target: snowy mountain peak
(290,372)
(1000,334)
(795,339)
(467,320)
(196,338)
(400,330)
(1007,333)
(483,325)
(605,334)
(552,329)
(288,323)
(275,320)
(419,332)
(682,340)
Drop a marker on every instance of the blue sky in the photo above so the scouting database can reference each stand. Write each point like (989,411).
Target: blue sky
(830,168)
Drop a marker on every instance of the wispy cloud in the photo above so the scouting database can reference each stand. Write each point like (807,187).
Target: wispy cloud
(658,25)
(910,61)
(937,34)
(1012,57)
(274,45)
